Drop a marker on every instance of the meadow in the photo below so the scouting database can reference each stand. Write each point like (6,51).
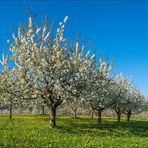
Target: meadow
(32,131)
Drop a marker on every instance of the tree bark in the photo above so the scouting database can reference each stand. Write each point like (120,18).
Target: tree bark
(52,116)
(75,113)
(99,117)
(92,113)
(118,117)
(129,115)
(43,110)
(10,113)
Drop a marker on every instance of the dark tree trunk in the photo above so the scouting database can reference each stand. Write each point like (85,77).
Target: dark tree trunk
(43,110)
(52,116)
(10,113)
(99,117)
(129,115)
(53,108)
(118,117)
(118,113)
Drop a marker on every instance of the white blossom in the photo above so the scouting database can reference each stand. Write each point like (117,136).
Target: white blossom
(47,35)
(65,19)
(38,30)
(30,22)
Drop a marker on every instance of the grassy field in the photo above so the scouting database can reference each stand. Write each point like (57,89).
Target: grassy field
(32,131)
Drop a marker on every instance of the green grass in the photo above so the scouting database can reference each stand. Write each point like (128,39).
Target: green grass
(32,131)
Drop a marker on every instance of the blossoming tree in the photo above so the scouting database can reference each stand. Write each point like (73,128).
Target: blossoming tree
(51,69)
(98,94)
(135,103)
(11,85)
(119,90)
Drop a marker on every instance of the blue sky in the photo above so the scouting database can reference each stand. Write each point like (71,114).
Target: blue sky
(118,29)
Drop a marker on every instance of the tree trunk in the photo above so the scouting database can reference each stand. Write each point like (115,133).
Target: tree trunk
(99,117)
(129,115)
(118,117)
(92,113)
(52,116)
(10,113)
(43,110)
(75,113)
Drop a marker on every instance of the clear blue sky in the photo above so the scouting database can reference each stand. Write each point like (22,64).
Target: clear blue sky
(118,29)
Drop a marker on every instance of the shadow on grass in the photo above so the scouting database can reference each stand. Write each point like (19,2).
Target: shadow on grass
(108,128)
(79,125)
